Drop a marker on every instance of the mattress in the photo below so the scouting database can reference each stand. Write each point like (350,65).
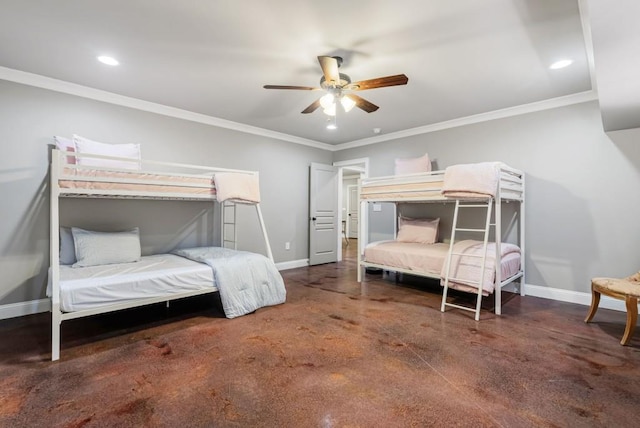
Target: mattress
(156,275)
(429,260)
(424,259)
(393,190)
(136,181)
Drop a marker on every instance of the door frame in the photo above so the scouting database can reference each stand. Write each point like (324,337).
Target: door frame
(361,165)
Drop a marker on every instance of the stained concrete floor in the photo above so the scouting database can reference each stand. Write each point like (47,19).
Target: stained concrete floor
(334,355)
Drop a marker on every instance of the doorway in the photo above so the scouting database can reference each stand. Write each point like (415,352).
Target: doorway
(349,172)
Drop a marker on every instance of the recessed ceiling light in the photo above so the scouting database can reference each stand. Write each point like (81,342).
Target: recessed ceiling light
(561,64)
(108,60)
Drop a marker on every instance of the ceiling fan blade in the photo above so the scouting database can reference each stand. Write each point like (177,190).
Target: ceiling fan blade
(363,104)
(314,105)
(329,66)
(380,82)
(304,88)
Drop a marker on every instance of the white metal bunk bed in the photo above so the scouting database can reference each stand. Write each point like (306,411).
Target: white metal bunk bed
(428,188)
(69,179)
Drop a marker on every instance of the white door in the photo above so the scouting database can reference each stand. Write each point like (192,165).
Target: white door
(323,211)
(352,211)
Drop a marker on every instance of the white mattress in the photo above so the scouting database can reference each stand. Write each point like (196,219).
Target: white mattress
(157,275)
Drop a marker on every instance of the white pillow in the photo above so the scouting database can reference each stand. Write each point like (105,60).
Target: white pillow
(84,145)
(423,231)
(105,248)
(66,145)
(413,165)
(67,249)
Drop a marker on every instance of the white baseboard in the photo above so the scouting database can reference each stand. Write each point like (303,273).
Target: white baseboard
(571,296)
(292,264)
(13,310)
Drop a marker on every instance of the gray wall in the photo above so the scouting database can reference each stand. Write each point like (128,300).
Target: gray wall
(582,186)
(31,116)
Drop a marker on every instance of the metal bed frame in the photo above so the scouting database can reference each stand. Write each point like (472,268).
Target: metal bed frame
(61,170)
(426,188)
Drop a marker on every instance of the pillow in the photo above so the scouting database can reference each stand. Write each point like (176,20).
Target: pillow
(67,248)
(84,145)
(413,165)
(423,231)
(105,248)
(66,145)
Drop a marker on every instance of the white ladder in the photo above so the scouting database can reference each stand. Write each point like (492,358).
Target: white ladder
(229,230)
(488,204)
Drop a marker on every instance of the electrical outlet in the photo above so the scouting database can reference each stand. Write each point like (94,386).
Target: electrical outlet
(287,245)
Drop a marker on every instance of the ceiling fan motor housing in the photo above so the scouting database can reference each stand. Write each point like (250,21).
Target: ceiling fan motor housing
(344,81)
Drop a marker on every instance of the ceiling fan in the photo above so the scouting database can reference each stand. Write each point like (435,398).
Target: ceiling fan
(339,88)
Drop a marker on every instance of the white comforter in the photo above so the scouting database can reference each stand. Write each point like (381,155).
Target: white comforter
(247,281)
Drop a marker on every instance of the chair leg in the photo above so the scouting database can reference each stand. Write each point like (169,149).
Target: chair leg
(632,318)
(595,301)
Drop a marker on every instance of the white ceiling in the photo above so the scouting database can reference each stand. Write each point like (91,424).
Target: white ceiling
(462,57)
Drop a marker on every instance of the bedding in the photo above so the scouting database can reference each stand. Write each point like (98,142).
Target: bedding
(430,260)
(424,259)
(67,247)
(103,248)
(240,187)
(156,275)
(467,270)
(126,181)
(423,231)
(477,180)
(86,146)
(412,165)
(246,281)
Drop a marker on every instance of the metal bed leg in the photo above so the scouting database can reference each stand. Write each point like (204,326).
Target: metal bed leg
(56,321)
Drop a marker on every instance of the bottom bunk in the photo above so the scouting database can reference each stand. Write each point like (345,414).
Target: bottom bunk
(246,282)
(430,260)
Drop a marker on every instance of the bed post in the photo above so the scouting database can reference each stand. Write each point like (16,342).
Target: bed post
(522,241)
(362,235)
(54,255)
(498,240)
(264,233)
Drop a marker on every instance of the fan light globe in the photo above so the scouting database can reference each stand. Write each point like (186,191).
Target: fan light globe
(326,101)
(331,110)
(347,103)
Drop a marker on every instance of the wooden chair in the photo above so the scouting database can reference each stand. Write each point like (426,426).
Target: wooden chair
(627,289)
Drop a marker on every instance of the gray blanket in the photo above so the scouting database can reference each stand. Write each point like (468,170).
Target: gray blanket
(247,281)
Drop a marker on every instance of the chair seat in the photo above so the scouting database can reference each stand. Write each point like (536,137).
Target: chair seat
(617,286)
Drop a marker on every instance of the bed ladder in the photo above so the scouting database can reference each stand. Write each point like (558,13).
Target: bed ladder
(488,204)
(229,229)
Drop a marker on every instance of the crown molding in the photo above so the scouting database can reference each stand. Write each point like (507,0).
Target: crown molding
(49,83)
(552,103)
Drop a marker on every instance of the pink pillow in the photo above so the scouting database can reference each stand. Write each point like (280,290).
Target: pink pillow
(413,165)
(420,230)
(66,145)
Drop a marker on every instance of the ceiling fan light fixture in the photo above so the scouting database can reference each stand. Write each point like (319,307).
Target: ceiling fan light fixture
(327,100)
(347,103)
(331,110)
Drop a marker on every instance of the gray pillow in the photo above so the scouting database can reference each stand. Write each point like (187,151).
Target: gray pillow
(104,248)
(67,249)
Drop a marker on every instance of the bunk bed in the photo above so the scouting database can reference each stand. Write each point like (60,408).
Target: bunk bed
(108,271)
(477,266)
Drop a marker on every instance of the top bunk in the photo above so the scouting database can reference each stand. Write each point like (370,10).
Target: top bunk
(98,175)
(465,181)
